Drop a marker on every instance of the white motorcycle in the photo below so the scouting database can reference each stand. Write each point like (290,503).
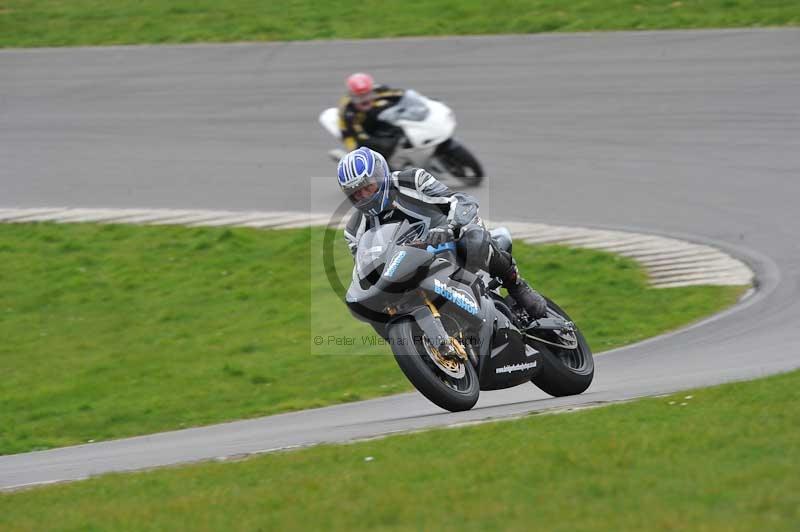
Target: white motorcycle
(428,127)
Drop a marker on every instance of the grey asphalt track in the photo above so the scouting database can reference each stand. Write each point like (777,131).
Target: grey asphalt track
(694,134)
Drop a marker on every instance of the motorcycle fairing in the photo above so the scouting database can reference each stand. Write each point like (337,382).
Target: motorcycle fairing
(329,120)
(451,294)
(510,361)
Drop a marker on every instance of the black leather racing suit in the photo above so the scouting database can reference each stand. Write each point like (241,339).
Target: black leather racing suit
(424,201)
(362,128)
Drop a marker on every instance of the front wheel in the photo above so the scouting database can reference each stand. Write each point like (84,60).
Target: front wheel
(453,386)
(565,371)
(460,162)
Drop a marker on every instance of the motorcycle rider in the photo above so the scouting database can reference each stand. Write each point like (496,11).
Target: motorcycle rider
(358,115)
(381,196)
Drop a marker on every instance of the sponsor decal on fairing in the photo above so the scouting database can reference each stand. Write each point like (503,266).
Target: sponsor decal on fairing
(459,297)
(394,264)
(516,367)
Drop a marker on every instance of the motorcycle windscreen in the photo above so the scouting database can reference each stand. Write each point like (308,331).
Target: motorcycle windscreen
(410,107)
(375,244)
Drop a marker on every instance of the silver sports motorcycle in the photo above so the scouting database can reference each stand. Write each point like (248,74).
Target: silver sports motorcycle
(419,299)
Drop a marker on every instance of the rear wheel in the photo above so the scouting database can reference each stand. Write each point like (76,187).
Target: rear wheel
(565,371)
(460,162)
(452,385)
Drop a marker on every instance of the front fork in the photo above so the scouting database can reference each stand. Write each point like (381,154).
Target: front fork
(429,320)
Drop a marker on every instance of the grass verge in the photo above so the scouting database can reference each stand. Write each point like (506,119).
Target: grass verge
(717,459)
(114,330)
(90,22)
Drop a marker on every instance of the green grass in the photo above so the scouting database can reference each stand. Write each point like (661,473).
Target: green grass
(111,330)
(88,22)
(726,459)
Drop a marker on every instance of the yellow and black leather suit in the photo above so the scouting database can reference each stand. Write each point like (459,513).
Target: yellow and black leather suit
(362,128)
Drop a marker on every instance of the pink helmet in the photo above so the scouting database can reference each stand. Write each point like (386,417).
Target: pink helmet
(360,84)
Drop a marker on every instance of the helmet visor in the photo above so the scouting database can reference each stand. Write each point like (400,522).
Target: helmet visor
(363,194)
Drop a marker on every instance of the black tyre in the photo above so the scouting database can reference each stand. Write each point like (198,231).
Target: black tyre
(453,394)
(565,371)
(460,163)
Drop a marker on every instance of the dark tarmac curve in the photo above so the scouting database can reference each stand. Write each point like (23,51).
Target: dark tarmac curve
(694,134)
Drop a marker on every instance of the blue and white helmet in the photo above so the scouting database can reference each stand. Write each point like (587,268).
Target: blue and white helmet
(364,176)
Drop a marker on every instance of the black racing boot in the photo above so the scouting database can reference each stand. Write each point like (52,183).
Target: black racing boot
(528,298)
(502,265)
